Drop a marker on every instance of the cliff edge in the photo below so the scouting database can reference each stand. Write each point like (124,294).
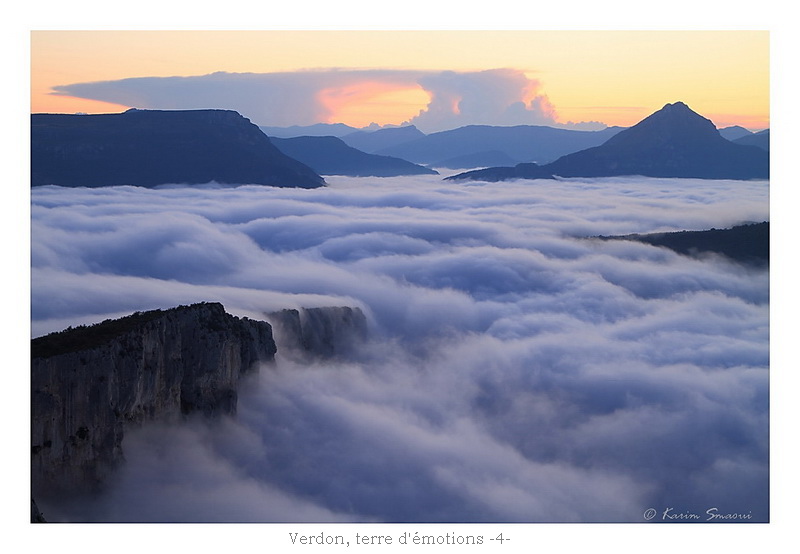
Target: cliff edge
(89,383)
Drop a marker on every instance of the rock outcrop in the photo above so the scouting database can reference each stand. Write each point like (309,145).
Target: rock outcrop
(318,333)
(155,147)
(89,383)
(747,244)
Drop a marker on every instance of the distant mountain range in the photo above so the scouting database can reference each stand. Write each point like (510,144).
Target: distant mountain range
(331,156)
(315,130)
(154,147)
(760,139)
(374,141)
(740,135)
(464,147)
(470,145)
(486,158)
(672,142)
(734,132)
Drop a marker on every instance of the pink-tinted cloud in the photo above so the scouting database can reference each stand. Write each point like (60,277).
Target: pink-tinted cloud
(491,97)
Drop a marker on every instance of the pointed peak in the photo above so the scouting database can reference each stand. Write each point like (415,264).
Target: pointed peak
(677,111)
(677,104)
(676,107)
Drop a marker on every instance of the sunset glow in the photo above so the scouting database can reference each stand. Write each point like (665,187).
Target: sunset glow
(613,77)
(360,104)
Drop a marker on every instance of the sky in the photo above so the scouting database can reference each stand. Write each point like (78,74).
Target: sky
(433,79)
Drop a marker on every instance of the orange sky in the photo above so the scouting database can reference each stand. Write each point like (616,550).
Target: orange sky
(616,77)
(362,104)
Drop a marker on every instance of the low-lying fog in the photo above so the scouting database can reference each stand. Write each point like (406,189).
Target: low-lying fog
(517,371)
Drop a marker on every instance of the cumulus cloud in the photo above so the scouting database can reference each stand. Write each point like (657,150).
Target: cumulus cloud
(491,97)
(518,371)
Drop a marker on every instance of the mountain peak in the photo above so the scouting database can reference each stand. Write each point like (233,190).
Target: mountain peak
(677,109)
(674,123)
(675,141)
(677,106)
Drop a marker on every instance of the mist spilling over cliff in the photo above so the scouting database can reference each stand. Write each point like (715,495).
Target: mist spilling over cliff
(511,368)
(89,383)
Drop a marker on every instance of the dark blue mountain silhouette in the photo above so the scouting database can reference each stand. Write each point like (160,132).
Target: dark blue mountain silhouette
(154,147)
(315,130)
(331,156)
(672,142)
(374,141)
(734,132)
(760,139)
(477,159)
(521,143)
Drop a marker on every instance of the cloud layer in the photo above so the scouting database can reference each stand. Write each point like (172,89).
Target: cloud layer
(519,372)
(490,97)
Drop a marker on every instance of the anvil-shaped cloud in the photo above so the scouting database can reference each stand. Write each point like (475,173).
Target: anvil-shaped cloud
(490,97)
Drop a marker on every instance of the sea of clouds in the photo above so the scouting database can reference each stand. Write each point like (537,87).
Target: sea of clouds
(517,370)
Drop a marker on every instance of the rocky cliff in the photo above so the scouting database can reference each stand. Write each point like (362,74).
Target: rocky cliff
(318,333)
(89,383)
(154,147)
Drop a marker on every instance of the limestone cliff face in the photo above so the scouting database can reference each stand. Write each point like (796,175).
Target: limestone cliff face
(319,333)
(89,383)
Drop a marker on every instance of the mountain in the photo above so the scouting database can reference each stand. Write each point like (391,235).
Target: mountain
(747,244)
(373,141)
(740,135)
(154,147)
(487,158)
(760,139)
(521,143)
(315,130)
(672,142)
(734,132)
(331,156)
